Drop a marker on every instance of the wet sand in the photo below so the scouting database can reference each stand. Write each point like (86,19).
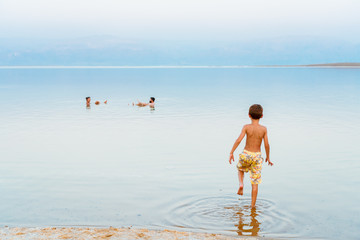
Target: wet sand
(104,233)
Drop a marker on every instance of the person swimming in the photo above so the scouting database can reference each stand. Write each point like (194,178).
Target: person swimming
(151,103)
(88,102)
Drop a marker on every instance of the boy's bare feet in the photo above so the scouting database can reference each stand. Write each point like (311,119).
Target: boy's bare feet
(240,191)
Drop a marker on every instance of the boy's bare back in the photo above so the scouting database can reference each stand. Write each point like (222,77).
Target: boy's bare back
(255,133)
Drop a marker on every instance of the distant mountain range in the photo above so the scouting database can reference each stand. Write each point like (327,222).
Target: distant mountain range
(345,64)
(324,65)
(116,51)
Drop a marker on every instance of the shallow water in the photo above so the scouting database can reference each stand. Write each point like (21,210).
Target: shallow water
(115,164)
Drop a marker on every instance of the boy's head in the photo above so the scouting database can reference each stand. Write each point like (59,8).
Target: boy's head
(88,99)
(152,100)
(256,111)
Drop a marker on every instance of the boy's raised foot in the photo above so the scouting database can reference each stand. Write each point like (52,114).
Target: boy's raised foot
(240,191)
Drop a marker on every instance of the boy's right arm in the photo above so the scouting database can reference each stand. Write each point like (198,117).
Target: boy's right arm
(236,144)
(267,148)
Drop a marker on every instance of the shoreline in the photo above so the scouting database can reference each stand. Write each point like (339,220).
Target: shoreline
(108,233)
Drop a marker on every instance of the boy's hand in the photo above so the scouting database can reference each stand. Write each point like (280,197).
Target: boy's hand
(231,158)
(268,161)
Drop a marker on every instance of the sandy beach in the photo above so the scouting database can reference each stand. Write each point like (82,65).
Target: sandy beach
(104,233)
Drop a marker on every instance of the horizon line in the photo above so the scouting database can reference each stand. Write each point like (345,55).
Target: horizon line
(175,66)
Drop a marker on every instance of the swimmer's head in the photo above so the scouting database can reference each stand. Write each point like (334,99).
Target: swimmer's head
(88,99)
(152,100)
(97,102)
(256,111)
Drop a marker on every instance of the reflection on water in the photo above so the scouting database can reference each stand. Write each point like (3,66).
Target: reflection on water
(248,223)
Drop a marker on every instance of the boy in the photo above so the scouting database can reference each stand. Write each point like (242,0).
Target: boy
(150,104)
(250,158)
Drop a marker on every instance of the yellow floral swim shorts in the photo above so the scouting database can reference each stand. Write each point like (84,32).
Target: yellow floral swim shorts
(251,161)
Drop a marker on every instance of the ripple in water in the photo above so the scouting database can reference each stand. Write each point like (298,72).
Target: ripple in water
(228,214)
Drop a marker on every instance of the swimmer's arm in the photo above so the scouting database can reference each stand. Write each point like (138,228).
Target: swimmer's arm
(236,144)
(267,148)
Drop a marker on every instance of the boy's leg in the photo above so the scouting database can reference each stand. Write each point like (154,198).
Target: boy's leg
(255,178)
(241,182)
(254,193)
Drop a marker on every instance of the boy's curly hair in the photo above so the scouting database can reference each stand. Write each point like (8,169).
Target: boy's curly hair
(256,111)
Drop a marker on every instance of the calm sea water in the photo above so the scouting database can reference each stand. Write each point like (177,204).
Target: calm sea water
(65,165)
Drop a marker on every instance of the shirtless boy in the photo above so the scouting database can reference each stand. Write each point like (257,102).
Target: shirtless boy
(150,104)
(250,159)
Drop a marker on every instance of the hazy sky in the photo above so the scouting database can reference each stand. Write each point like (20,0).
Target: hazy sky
(181,19)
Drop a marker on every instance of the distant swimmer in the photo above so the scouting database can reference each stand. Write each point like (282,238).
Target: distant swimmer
(151,103)
(88,101)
